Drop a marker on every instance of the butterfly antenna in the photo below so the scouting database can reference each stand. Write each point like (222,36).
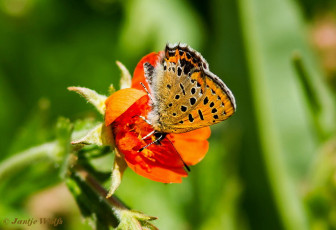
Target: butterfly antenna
(185,164)
(149,95)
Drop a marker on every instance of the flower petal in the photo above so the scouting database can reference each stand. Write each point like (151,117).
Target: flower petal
(119,102)
(139,75)
(192,145)
(159,162)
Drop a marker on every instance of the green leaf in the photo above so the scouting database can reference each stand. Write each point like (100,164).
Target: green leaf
(272,30)
(92,206)
(97,100)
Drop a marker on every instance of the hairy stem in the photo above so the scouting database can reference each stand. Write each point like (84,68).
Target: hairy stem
(112,200)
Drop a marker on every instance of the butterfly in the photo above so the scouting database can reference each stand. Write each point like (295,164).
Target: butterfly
(185,94)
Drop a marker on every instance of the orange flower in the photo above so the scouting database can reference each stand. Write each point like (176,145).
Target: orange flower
(159,162)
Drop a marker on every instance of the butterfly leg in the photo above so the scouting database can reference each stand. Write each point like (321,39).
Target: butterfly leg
(143,118)
(162,135)
(149,134)
(149,95)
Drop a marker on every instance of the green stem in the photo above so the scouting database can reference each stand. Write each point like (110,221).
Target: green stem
(26,157)
(312,94)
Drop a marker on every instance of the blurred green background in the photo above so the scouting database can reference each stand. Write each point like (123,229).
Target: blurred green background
(271,166)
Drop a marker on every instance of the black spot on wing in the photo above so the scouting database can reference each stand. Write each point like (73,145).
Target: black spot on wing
(200,114)
(205,101)
(188,55)
(187,68)
(183,62)
(179,71)
(193,90)
(183,108)
(191,119)
(171,53)
(192,101)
